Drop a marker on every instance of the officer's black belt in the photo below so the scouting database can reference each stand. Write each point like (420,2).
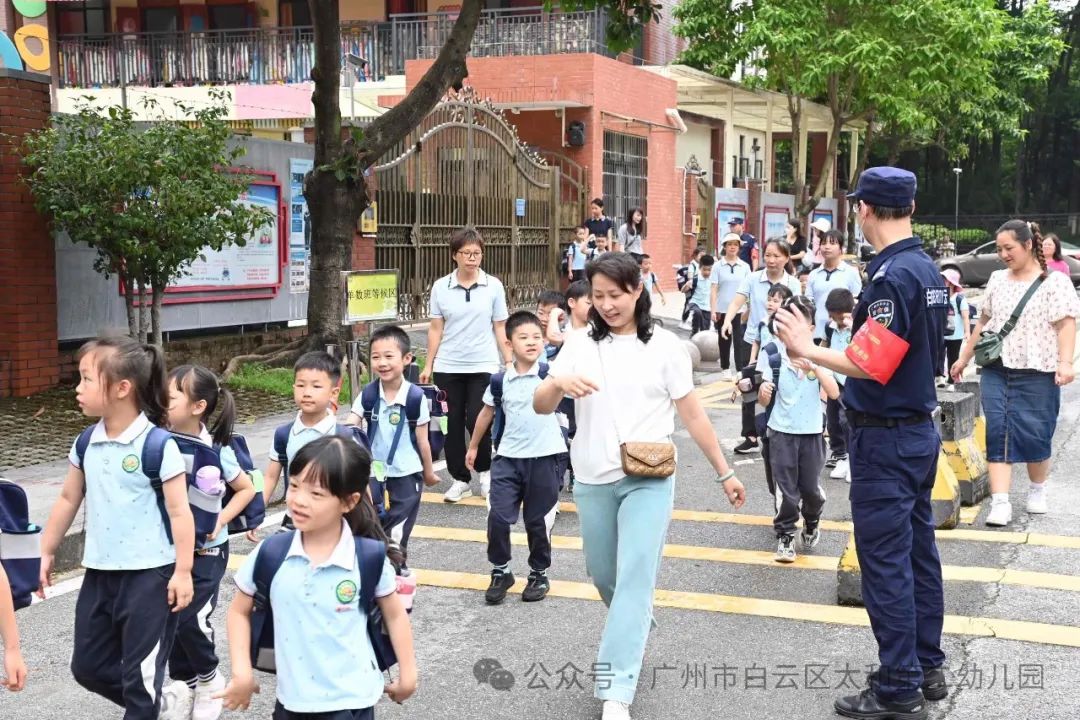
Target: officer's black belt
(858,419)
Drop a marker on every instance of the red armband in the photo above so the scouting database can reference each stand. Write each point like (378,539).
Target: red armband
(877,351)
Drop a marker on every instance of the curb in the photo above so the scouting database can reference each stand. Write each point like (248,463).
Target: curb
(959,416)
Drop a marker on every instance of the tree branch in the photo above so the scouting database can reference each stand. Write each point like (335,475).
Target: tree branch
(448,70)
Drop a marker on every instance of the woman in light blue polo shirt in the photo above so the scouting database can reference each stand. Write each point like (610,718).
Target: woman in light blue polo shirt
(466,342)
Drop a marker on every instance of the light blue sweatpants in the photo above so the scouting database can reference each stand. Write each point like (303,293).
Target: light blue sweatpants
(623,526)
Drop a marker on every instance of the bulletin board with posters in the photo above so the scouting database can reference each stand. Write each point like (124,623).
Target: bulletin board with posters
(724,213)
(826,214)
(252,271)
(774,222)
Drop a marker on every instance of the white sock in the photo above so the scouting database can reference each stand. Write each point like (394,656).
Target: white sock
(1037,488)
(1000,497)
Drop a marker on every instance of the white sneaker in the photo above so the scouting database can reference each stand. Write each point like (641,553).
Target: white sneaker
(684,326)
(842,471)
(615,710)
(175,701)
(458,491)
(1000,513)
(485,483)
(726,376)
(1036,502)
(206,707)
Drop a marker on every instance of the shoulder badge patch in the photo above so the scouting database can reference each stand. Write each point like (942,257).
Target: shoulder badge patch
(882,311)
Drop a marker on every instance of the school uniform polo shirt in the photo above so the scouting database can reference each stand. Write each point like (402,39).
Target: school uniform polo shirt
(468,341)
(230,471)
(577,257)
(822,282)
(702,291)
(301,434)
(324,658)
(797,410)
(525,434)
(755,287)
(124,526)
(727,277)
(392,416)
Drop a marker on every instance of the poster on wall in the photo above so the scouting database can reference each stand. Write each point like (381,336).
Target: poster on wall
(724,214)
(256,264)
(299,226)
(823,214)
(775,222)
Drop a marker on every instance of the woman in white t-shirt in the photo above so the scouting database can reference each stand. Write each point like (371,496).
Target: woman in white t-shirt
(628,379)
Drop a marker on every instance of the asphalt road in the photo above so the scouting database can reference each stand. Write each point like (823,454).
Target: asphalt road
(738,635)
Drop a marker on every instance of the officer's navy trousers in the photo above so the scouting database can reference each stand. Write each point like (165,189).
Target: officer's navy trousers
(531,485)
(124,630)
(892,476)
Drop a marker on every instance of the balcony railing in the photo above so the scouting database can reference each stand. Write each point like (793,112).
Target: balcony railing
(262,56)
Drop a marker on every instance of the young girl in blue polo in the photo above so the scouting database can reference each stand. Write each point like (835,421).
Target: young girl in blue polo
(194,397)
(325,662)
(136,580)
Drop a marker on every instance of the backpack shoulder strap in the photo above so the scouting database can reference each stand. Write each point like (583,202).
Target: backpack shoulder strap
(153,452)
(829,331)
(544,370)
(82,442)
(497,387)
(370,555)
(268,560)
(413,402)
(774,361)
(281,443)
(369,401)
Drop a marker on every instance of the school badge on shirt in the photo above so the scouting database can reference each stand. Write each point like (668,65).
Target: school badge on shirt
(346,593)
(395,417)
(130,463)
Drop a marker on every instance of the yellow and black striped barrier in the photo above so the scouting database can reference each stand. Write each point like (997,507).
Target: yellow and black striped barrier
(963,440)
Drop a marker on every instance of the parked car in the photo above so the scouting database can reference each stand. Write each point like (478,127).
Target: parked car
(975,266)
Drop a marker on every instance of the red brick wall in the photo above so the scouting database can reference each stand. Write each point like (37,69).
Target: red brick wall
(28,331)
(661,45)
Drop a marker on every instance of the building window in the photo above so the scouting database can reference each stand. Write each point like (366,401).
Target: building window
(233,16)
(161,19)
(83,18)
(626,172)
(294,13)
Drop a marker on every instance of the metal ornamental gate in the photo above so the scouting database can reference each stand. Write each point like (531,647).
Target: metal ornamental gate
(465,166)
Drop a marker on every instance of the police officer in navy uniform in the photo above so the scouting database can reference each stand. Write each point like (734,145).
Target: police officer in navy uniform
(746,251)
(893,447)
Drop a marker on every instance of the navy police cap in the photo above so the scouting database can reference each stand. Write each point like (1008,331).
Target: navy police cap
(885,187)
(735,221)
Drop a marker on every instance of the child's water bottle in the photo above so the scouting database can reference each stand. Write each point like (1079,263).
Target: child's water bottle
(208,479)
(406,588)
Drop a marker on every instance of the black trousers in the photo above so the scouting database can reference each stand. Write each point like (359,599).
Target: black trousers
(530,485)
(732,348)
(795,463)
(280,713)
(193,652)
(952,354)
(699,319)
(124,631)
(399,515)
(836,422)
(465,400)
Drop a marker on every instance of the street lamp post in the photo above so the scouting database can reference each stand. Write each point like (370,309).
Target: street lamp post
(956,212)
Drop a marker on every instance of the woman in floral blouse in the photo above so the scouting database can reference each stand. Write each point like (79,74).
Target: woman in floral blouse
(1021,393)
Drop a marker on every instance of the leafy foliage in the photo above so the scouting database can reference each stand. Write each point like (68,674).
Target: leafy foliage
(148,199)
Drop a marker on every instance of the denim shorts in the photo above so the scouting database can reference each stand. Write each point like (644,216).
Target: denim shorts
(1021,409)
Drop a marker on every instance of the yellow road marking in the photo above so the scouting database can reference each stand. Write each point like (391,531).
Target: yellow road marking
(1023,631)
(1050,581)
(968,515)
(1071,542)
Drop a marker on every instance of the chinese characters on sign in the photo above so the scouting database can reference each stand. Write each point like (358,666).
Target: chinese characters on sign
(370,295)
(299,226)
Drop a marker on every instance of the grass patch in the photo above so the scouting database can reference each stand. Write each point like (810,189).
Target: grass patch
(277,381)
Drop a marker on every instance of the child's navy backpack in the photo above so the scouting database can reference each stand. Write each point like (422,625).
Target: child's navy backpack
(437,406)
(281,441)
(153,451)
(20,544)
(566,406)
(761,421)
(369,401)
(370,554)
(255,512)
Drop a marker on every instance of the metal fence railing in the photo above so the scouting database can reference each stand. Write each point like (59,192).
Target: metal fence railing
(968,232)
(274,55)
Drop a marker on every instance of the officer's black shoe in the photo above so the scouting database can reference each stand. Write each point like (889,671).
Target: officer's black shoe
(934,686)
(500,583)
(867,706)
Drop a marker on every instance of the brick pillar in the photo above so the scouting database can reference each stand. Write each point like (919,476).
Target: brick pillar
(28,333)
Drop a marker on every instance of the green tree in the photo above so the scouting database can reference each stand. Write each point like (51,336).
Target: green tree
(336,189)
(150,200)
(887,64)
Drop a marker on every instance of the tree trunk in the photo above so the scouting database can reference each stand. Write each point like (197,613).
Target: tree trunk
(335,191)
(830,160)
(144,310)
(129,304)
(155,315)
(798,184)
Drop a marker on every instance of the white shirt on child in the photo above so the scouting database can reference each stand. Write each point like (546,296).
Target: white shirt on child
(638,386)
